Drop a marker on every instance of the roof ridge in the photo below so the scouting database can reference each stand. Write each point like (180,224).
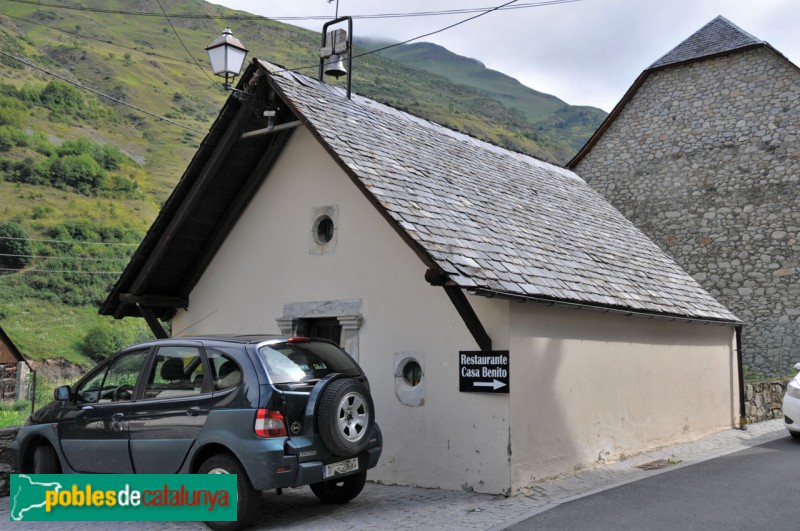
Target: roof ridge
(720,35)
(374,105)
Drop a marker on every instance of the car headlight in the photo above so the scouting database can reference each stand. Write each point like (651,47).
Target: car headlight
(793,389)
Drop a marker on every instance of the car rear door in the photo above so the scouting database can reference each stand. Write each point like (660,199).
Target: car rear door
(94,427)
(174,406)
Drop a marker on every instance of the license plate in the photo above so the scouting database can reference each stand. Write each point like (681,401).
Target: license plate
(339,468)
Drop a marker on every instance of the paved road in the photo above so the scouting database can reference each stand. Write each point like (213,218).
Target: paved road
(398,508)
(757,488)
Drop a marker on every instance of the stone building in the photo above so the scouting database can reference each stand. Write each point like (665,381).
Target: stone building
(702,154)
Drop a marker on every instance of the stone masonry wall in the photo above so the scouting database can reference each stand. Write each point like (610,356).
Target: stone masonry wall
(764,400)
(705,160)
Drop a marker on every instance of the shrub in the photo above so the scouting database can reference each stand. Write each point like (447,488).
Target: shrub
(103,340)
(11,137)
(80,172)
(15,249)
(12,111)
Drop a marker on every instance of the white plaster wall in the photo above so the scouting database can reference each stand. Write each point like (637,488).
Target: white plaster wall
(589,387)
(455,440)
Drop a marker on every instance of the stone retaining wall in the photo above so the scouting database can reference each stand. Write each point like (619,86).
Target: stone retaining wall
(7,436)
(763,400)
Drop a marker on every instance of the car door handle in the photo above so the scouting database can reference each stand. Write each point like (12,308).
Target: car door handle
(86,408)
(193,411)
(118,417)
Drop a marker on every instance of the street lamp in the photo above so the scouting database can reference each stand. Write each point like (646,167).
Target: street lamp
(226,55)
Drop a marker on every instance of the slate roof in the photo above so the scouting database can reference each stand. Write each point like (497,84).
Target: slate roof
(495,221)
(718,36)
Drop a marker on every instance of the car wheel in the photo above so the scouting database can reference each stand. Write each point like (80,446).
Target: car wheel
(247,498)
(45,460)
(795,434)
(345,416)
(340,490)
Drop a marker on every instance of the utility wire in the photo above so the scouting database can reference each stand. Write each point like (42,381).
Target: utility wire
(489,10)
(44,257)
(439,30)
(83,36)
(112,98)
(60,271)
(443,12)
(74,242)
(182,44)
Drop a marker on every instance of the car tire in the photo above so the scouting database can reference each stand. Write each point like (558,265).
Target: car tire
(45,460)
(795,434)
(247,500)
(345,416)
(339,490)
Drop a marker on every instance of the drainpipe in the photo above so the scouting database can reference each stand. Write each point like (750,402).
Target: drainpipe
(742,413)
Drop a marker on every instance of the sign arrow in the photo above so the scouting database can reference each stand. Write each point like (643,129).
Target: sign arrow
(494,384)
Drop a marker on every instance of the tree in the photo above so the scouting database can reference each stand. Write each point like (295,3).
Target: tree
(15,248)
(103,340)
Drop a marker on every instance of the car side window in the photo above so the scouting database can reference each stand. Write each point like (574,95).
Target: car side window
(177,371)
(226,372)
(116,382)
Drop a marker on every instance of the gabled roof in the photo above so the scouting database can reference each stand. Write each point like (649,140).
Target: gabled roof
(9,353)
(718,37)
(485,218)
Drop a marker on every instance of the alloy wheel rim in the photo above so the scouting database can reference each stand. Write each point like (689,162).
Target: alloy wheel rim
(353,417)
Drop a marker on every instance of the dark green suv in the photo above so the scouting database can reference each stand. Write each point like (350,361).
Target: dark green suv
(277,411)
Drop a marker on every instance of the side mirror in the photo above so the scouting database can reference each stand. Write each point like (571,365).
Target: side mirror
(63,392)
(797,366)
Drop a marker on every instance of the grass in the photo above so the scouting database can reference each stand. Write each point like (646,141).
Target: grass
(65,329)
(14,413)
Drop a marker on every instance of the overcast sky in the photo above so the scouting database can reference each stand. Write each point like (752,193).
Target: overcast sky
(586,52)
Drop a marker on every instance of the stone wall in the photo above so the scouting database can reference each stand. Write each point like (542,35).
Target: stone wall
(764,400)
(705,160)
(7,436)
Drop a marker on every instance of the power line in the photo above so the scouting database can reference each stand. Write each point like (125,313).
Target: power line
(112,98)
(181,41)
(443,29)
(60,271)
(74,242)
(45,257)
(444,12)
(89,37)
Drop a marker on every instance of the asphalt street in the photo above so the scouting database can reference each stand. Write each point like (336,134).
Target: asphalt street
(757,488)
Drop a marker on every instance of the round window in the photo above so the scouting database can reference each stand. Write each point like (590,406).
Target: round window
(412,373)
(323,230)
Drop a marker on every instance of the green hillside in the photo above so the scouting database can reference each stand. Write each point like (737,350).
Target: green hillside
(547,113)
(82,177)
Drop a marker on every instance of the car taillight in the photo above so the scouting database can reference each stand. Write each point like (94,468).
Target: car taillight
(270,423)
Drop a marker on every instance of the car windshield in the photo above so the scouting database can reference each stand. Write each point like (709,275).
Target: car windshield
(307,361)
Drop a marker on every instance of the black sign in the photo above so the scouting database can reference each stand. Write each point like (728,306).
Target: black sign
(483,371)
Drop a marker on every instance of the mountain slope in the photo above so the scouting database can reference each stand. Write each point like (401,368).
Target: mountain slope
(543,110)
(84,176)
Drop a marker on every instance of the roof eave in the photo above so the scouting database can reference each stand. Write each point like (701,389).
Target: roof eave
(619,310)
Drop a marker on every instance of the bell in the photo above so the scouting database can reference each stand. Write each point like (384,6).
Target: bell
(336,67)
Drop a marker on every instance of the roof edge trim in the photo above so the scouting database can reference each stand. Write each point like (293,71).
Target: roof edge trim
(483,292)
